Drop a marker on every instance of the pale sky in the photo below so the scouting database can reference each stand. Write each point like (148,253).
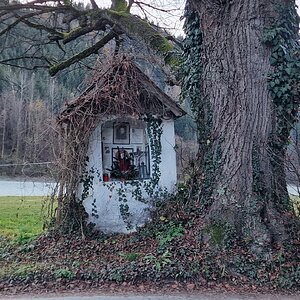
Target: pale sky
(171,20)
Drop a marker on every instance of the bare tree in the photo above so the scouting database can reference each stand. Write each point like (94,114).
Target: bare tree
(26,124)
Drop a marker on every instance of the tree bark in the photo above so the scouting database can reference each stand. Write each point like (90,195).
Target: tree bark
(248,188)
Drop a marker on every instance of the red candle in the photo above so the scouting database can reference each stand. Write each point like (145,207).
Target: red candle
(105,177)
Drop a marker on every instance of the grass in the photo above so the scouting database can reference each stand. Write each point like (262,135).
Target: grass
(20,217)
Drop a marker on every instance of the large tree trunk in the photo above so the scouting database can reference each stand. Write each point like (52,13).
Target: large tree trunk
(247,186)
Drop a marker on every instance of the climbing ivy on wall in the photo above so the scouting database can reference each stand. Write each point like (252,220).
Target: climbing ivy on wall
(155,130)
(136,187)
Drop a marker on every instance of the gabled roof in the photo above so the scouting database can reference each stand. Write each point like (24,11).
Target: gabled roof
(120,89)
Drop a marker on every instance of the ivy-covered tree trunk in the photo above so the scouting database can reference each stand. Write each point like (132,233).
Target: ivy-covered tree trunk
(248,99)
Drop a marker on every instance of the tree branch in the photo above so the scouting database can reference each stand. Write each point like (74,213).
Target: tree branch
(32,5)
(43,27)
(8,61)
(96,19)
(94,4)
(23,19)
(74,34)
(138,28)
(139,3)
(85,53)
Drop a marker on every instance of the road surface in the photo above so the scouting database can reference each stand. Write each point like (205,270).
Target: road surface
(163,297)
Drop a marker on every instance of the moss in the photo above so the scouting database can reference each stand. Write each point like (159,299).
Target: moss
(133,25)
(173,61)
(160,43)
(118,14)
(70,33)
(53,70)
(142,29)
(120,5)
(216,233)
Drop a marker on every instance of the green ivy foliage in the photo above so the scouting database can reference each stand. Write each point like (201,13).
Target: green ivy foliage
(155,130)
(191,67)
(192,70)
(284,81)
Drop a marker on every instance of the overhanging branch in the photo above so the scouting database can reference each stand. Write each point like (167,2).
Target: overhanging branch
(96,19)
(135,27)
(74,34)
(85,53)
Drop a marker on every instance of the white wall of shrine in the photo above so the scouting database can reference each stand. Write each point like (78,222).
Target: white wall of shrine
(102,200)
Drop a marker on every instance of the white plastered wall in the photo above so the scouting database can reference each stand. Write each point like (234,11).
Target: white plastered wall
(102,202)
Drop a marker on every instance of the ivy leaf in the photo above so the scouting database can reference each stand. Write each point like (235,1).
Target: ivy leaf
(289,71)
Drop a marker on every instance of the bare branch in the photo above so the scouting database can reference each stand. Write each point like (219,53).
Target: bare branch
(173,39)
(23,18)
(30,5)
(5,61)
(43,27)
(74,34)
(85,53)
(89,20)
(94,4)
(130,3)
(140,4)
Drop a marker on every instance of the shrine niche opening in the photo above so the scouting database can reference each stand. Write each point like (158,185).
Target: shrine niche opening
(125,150)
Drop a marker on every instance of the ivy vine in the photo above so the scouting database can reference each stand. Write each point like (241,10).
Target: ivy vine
(155,130)
(192,71)
(284,81)
(87,181)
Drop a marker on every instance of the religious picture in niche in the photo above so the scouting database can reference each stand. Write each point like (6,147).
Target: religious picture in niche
(121,133)
(123,164)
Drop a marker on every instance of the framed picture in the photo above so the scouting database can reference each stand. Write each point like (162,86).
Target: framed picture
(137,135)
(121,133)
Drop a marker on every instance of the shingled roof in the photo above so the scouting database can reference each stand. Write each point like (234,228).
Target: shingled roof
(120,89)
